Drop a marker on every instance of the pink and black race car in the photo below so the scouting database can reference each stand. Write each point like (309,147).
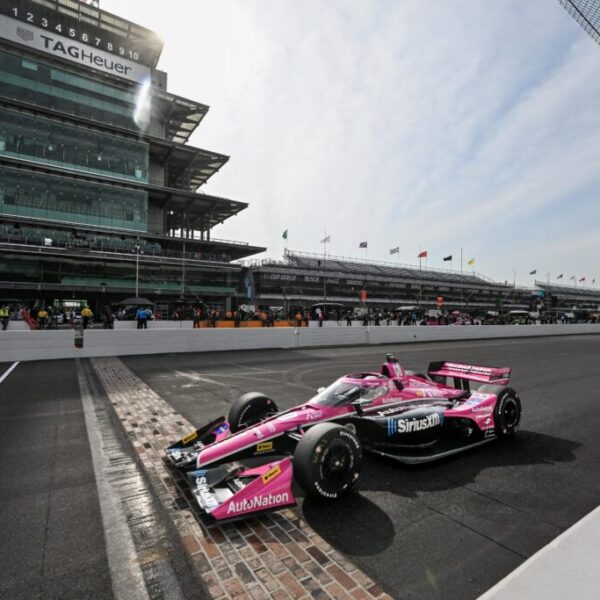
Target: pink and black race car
(246,464)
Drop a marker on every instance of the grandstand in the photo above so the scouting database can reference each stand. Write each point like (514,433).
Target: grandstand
(567,297)
(301,279)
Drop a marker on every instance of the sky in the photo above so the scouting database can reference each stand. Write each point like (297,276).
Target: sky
(420,125)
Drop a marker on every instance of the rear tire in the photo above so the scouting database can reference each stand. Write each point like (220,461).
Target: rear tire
(507,412)
(250,409)
(327,461)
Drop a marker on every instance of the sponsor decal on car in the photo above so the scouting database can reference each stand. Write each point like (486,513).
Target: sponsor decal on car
(271,427)
(189,437)
(206,497)
(289,416)
(264,447)
(222,428)
(411,425)
(313,415)
(258,502)
(271,474)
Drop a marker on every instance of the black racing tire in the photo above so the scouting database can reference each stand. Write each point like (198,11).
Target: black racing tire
(250,409)
(507,412)
(327,461)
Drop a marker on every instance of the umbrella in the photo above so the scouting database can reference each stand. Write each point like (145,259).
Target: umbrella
(136,301)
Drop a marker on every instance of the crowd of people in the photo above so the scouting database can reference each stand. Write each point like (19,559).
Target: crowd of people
(47,317)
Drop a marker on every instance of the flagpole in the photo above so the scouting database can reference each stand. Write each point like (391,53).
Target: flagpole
(461,260)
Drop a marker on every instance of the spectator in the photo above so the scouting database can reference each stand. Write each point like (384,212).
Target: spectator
(86,316)
(298,319)
(42,318)
(4,316)
(348,319)
(108,318)
(196,318)
(321,317)
(142,317)
(237,317)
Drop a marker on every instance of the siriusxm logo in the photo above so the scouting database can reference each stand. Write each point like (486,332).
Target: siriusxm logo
(205,496)
(258,502)
(411,425)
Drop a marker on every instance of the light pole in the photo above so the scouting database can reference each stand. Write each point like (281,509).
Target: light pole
(137,269)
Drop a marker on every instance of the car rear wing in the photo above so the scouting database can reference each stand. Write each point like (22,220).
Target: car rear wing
(495,375)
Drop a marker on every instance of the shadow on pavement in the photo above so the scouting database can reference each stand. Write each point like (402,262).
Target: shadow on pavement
(526,448)
(348,522)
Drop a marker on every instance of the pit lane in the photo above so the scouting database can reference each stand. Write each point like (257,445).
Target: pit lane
(448,530)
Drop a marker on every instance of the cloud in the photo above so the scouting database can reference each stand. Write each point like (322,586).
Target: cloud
(467,124)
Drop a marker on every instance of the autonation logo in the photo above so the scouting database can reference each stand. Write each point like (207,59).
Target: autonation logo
(258,502)
(410,425)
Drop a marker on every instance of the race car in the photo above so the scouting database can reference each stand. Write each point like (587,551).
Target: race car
(246,464)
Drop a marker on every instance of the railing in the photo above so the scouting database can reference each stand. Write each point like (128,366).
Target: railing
(105,246)
(290,254)
(568,288)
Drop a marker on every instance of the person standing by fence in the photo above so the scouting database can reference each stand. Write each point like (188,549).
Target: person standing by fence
(86,316)
(4,316)
(142,318)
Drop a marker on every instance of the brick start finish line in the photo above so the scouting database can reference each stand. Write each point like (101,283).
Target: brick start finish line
(272,556)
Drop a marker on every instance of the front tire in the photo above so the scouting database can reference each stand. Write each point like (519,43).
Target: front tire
(327,461)
(250,409)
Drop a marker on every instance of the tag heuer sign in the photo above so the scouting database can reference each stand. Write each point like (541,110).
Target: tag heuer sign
(72,50)
(25,34)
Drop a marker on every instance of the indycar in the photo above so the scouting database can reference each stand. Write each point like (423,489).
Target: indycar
(246,464)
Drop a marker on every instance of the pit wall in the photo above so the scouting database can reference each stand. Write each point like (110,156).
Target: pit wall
(40,345)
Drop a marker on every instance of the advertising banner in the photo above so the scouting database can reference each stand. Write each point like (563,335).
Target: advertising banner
(71,50)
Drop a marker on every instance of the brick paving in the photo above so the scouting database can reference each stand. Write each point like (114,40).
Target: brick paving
(272,556)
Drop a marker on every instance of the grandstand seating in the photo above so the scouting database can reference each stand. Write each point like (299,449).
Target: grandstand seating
(37,236)
(369,268)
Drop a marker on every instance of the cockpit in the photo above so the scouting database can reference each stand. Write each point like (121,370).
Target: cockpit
(363,387)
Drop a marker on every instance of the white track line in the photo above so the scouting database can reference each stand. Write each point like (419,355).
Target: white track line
(127,579)
(8,371)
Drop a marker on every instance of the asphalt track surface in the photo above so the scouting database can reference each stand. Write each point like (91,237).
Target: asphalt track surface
(452,529)
(52,540)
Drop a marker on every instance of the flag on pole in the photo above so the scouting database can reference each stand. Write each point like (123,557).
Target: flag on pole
(560,276)
(363,245)
(422,254)
(471,262)
(284,236)
(395,250)
(534,272)
(449,257)
(326,239)
(582,279)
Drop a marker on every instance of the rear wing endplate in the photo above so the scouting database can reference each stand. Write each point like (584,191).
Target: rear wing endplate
(495,375)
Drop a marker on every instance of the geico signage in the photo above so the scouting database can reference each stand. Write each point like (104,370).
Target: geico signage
(68,49)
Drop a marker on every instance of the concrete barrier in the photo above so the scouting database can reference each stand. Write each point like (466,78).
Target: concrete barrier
(38,345)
